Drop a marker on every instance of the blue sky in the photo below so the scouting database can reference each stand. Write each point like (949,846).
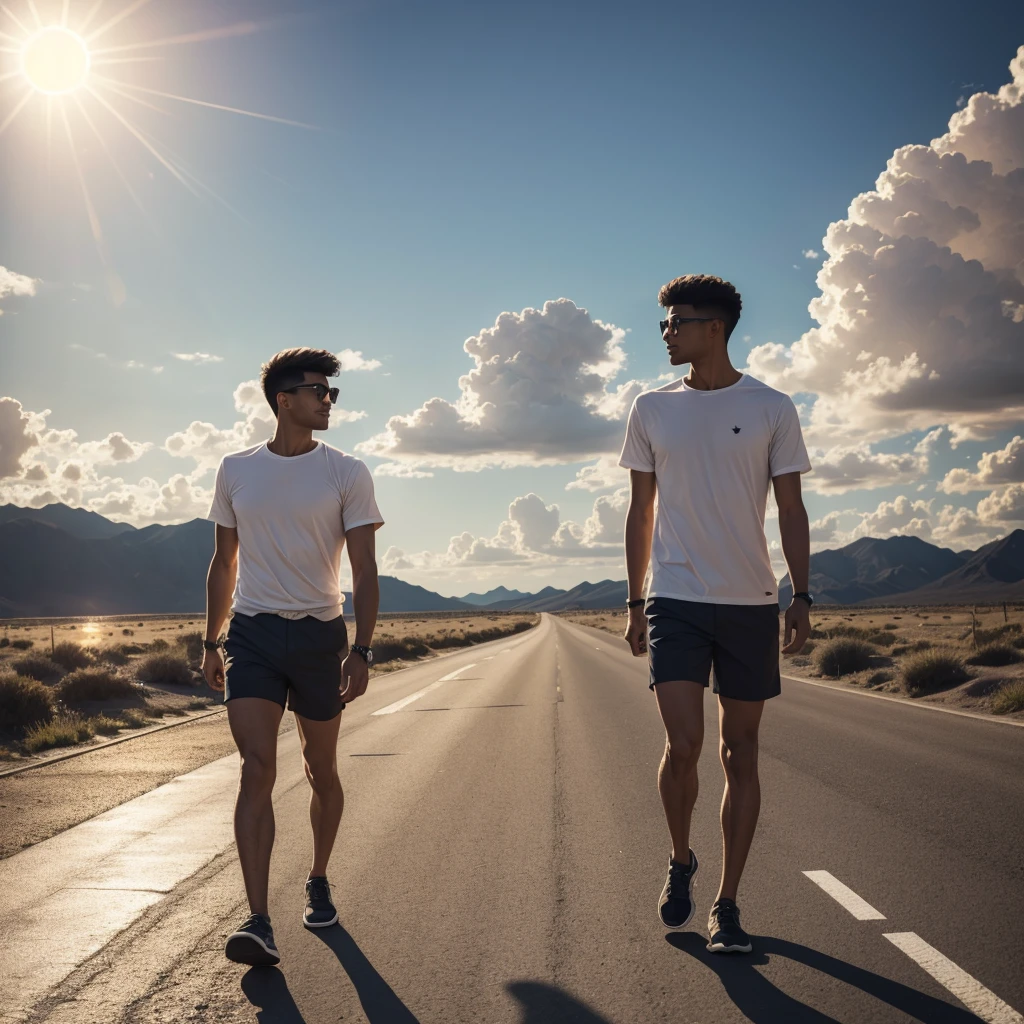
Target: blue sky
(469,160)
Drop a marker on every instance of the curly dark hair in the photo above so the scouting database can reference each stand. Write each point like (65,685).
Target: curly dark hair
(704,292)
(289,368)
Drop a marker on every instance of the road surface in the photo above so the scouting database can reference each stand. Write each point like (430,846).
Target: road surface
(502,854)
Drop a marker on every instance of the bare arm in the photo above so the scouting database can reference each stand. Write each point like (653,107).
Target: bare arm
(796,546)
(639,531)
(366,599)
(220,585)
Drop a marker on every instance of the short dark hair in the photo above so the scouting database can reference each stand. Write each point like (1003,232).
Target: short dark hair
(703,291)
(289,368)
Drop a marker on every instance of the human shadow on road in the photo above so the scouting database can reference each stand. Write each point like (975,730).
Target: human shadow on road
(266,989)
(764,1003)
(378,999)
(545,1004)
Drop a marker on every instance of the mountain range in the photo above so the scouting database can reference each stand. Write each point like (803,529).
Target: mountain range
(57,561)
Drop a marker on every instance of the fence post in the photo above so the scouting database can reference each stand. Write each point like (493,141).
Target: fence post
(51,640)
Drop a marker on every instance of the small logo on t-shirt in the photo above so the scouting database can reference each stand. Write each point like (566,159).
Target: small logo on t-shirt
(735,430)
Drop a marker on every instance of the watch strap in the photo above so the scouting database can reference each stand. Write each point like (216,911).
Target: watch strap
(212,645)
(636,602)
(366,653)
(804,596)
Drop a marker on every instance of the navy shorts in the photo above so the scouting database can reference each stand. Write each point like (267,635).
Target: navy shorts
(293,662)
(687,639)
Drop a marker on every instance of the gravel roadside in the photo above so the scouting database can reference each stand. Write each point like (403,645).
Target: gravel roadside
(37,804)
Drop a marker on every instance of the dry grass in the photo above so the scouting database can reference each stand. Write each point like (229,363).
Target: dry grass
(411,638)
(163,669)
(70,655)
(1009,698)
(899,635)
(842,656)
(87,684)
(23,701)
(64,730)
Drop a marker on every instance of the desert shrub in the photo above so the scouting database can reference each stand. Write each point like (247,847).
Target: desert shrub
(133,718)
(882,639)
(881,676)
(127,632)
(843,655)
(64,730)
(105,725)
(5,641)
(808,647)
(850,631)
(913,648)
(1009,698)
(71,655)
(159,644)
(22,644)
(404,649)
(94,684)
(164,669)
(112,655)
(1005,632)
(1018,642)
(890,625)
(931,671)
(995,655)
(193,644)
(38,666)
(23,701)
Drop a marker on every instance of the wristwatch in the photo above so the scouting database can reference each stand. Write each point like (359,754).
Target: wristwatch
(804,596)
(212,645)
(636,602)
(365,652)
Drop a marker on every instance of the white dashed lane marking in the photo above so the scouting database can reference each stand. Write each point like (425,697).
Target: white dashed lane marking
(405,701)
(978,999)
(845,896)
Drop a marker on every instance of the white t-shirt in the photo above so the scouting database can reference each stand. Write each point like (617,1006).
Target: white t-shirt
(291,513)
(713,455)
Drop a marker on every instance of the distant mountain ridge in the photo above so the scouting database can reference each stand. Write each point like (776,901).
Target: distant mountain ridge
(58,561)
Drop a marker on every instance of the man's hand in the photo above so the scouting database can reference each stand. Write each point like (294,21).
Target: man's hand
(355,674)
(636,632)
(798,621)
(213,669)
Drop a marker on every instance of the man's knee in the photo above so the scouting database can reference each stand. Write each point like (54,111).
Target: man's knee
(257,774)
(322,776)
(682,753)
(739,754)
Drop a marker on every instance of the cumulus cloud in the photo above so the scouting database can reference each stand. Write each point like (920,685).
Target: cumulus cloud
(1005,466)
(541,391)
(853,467)
(603,475)
(198,358)
(812,254)
(19,285)
(901,516)
(916,321)
(353,361)
(16,436)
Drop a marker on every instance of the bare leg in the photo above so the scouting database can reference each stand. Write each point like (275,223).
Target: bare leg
(681,704)
(741,804)
(254,724)
(327,800)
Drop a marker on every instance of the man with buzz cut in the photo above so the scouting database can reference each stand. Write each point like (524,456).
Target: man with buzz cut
(708,446)
(284,510)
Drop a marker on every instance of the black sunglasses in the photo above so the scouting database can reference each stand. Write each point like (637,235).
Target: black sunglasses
(673,321)
(322,391)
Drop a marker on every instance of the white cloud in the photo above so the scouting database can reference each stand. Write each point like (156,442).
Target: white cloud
(16,436)
(927,445)
(19,285)
(812,254)
(916,322)
(198,358)
(541,392)
(902,516)
(1005,466)
(855,467)
(352,361)
(603,475)
(1003,506)
(824,530)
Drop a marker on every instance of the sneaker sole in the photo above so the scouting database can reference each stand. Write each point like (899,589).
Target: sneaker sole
(718,947)
(320,924)
(245,948)
(693,906)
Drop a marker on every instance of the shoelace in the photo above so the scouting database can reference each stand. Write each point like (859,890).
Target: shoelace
(727,915)
(256,924)
(677,884)
(318,889)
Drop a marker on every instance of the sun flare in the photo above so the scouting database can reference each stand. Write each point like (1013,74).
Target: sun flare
(55,61)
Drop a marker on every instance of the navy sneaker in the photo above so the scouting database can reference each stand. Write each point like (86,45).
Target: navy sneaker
(320,911)
(253,943)
(675,907)
(726,934)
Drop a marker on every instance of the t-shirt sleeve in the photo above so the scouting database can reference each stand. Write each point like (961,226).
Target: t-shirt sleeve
(358,504)
(636,452)
(787,453)
(221,511)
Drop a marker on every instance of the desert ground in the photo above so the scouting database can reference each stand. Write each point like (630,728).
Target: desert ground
(106,675)
(958,657)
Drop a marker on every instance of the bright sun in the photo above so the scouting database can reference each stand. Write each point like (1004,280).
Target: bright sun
(55,60)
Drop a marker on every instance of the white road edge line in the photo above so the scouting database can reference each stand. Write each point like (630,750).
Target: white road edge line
(845,896)
(399,704)
(978,999)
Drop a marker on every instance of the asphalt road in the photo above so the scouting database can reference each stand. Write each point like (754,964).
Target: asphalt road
(503,850)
